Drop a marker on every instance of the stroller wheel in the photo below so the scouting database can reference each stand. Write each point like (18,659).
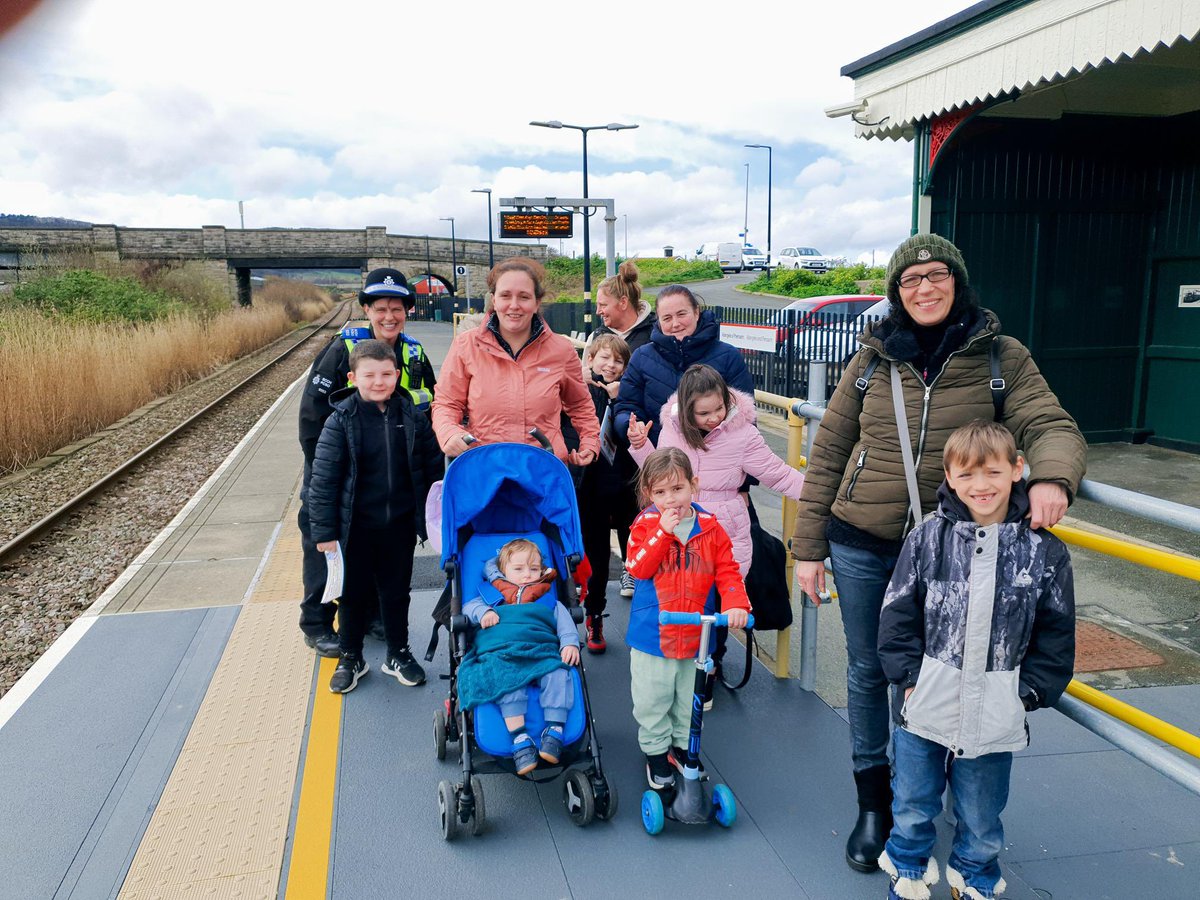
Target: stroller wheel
(579,798)
(724,806)
(606,810)
(653,815)
(479,819)
(448,809)
(439,733)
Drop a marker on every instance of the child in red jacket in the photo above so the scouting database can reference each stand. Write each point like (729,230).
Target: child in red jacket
(681,559)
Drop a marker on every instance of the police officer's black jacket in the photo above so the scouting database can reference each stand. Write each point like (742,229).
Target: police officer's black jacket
(352,475)
(328,375)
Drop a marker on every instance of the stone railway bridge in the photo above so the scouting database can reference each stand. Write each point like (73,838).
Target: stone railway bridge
(231,253)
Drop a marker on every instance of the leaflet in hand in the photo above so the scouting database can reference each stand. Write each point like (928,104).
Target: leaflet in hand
(334,573)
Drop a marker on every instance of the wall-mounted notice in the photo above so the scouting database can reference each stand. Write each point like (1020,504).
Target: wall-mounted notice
(1189,296)
(750,337)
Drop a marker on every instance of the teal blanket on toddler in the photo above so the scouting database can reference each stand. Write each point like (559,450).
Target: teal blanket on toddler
(513,653)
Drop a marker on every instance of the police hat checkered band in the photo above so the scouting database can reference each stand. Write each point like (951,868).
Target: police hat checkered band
(387,288)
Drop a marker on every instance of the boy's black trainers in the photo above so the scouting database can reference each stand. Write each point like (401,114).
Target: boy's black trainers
(345,676)
(405,668)
(325,644)
(660,774)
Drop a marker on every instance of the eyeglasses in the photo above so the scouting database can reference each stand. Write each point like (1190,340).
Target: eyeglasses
(935,277)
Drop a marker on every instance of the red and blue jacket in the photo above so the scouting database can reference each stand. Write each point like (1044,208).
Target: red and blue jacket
(699,575)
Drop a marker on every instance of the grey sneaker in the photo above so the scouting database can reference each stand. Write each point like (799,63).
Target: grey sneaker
(345,676)
(404,668)
(627,584)
(660,774)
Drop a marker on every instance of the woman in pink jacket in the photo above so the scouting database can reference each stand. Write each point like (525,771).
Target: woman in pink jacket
(513,374)
(716,427)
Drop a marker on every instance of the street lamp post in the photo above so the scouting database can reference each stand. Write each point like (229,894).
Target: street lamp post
(453,251)
(766,147)
(746,212)
(491,249)
(626,216)
(587,246)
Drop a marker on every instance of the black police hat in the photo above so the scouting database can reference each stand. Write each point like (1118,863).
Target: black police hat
(387,283)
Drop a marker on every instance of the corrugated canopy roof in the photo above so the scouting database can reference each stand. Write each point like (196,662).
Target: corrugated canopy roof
(998,48)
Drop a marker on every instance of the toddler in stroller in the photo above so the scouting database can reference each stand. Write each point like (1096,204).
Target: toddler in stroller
(532,631)
(511,496)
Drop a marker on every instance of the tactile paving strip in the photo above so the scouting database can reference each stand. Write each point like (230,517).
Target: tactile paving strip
(1099,650)
(220,827)
(281,577)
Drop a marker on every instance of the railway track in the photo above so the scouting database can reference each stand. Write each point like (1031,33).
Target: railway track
(54,568)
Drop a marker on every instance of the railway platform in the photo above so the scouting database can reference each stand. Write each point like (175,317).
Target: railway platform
(179,741)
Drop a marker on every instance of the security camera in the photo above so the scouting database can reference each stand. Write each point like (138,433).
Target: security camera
(846,109)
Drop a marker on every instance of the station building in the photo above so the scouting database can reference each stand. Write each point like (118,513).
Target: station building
(1057,143)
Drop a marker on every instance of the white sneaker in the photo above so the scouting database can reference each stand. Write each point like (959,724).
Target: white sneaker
(627,584)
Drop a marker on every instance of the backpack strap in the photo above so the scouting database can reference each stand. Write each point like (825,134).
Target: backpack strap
(997,383)
(865,379)
(749,667)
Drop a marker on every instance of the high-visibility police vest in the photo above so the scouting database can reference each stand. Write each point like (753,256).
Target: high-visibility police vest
(412,352)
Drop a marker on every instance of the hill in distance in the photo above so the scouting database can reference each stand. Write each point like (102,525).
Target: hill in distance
(9,220)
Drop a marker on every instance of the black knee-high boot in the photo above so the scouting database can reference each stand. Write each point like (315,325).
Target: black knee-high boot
(874,819)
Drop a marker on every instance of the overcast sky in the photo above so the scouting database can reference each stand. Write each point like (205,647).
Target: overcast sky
(150,113)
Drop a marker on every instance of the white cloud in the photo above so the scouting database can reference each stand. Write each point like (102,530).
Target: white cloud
(146,113)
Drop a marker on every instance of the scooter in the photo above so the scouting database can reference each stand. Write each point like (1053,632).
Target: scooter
(691,803)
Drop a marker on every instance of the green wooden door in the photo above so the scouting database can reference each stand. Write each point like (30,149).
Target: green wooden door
(1172,358)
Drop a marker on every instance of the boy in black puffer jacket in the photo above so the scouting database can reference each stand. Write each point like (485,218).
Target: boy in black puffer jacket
(977,629)
(374,463)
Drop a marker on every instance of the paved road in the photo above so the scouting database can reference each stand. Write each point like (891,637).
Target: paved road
(722,293)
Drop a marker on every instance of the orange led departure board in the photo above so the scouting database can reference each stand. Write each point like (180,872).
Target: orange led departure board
(536,225)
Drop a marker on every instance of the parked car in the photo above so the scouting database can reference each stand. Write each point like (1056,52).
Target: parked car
(753,258)
(807,258)
(826,329)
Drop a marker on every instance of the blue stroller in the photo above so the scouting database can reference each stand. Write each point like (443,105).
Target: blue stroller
(490,496)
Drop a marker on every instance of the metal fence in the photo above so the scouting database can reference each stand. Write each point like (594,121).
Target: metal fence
(442,307)
(800,337)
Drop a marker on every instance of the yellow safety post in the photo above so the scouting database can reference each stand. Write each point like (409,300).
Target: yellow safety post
(1175,563)
(1130,715)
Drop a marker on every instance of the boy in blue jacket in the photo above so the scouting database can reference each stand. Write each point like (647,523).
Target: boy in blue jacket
(977,629)
(371,472)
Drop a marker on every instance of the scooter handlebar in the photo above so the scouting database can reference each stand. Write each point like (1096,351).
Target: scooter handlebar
(681,618)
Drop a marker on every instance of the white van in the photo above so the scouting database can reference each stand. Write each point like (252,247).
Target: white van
(727,254)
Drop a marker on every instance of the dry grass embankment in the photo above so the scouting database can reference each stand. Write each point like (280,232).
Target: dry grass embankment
(64,376)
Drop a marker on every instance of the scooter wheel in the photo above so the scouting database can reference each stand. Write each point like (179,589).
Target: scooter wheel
(448,809)
(579,798)
(724,806)
(653,816)
(439,733)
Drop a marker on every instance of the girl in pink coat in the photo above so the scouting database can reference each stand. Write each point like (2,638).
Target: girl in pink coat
(716,427)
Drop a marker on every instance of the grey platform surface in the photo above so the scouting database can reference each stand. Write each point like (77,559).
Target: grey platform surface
(83,762)
(1080,811)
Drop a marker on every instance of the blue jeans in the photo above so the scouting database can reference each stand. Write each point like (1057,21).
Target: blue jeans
(862,577)
(980,789)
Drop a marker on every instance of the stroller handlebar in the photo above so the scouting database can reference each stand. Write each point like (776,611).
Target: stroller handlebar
(681,618)
(536,434)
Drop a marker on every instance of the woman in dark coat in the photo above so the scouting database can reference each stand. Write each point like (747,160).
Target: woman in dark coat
(683,336)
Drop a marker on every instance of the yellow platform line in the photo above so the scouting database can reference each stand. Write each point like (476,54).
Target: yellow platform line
(308,874)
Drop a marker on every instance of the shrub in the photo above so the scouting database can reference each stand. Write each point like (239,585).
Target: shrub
(799,283)
(81,295)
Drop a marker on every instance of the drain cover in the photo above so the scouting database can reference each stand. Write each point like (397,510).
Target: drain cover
(1099,650)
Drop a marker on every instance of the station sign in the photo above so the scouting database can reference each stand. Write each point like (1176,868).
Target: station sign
(750,337)
(536,224)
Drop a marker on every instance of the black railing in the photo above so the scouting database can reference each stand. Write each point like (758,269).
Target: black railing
(442,307)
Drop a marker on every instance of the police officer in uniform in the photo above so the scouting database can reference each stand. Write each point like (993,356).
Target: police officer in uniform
(386,300)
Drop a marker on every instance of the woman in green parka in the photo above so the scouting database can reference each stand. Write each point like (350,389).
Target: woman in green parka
(856,506)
